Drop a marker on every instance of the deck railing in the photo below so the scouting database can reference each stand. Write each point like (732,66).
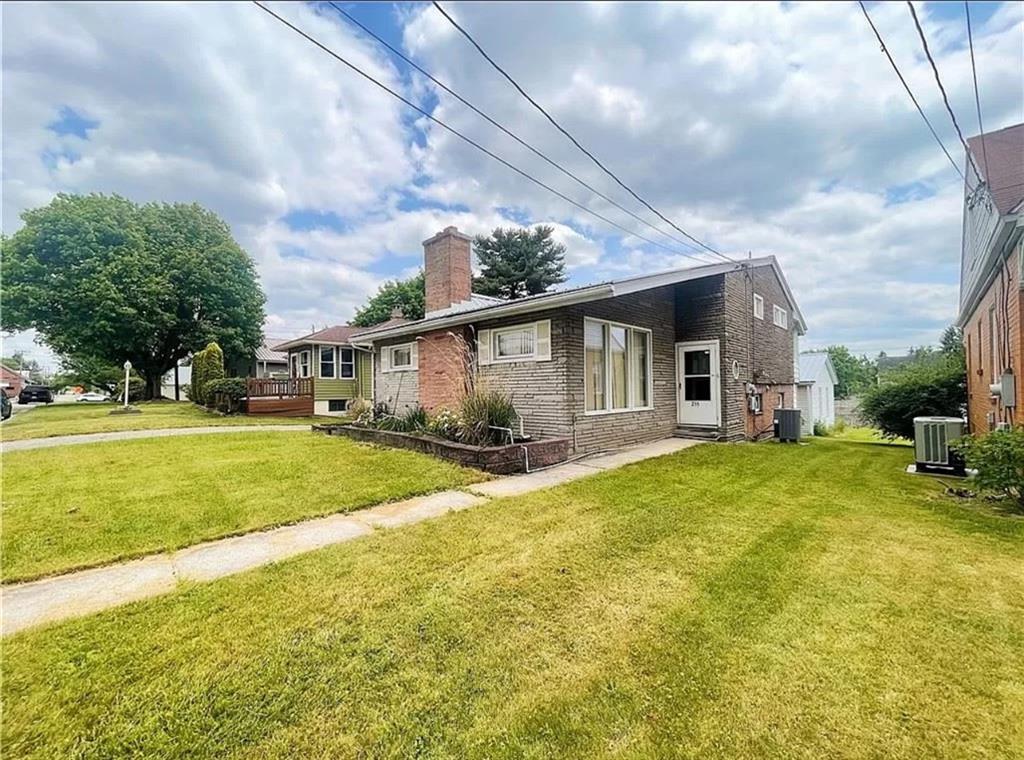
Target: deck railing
(265,387)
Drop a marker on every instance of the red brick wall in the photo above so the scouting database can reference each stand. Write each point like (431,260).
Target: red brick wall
(1004,295)
(446,265)
(442,368)
(773,397)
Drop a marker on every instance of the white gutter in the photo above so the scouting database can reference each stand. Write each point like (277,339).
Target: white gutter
(552,301)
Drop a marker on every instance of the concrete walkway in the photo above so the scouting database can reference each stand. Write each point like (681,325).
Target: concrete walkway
(131,435)
(49,600)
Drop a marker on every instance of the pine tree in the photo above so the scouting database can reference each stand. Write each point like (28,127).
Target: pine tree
(518,262)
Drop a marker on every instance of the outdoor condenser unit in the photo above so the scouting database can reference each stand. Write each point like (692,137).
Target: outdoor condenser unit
(932,436)
(787,424)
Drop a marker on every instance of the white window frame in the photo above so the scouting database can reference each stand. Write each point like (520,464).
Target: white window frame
(758,306)
(320,362)
(780,317)
(496,333)
(342,364)
(390,358)
(304,360)
(630,394)
(487,343)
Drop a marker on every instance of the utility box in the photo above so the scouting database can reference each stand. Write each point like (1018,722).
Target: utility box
(932,438)
(787,425)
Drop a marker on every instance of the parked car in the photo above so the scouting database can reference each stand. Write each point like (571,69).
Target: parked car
(93,397)
(35,393)
(5,406)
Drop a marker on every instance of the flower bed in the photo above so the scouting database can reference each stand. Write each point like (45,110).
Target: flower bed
(499,460)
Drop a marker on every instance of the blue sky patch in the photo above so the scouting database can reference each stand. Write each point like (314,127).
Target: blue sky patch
(306,219)
(70,122)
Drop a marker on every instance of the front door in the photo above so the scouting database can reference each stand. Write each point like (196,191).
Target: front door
(698,387)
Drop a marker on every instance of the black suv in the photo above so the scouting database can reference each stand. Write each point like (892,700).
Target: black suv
(35,393)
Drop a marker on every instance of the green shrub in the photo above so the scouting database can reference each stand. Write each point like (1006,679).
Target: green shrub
(412,420)
(136,390)
(226,394)
(445,424)
(481,412)
(840,427)
(934,387)
(999,459)
(207,365)
(821,429)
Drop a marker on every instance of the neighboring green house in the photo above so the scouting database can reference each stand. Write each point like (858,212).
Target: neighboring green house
(340,370)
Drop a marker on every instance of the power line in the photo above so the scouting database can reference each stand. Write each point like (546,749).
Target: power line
(977,97)
(938,80)
(906,87)
(572,139)
(508,132)
(463,137)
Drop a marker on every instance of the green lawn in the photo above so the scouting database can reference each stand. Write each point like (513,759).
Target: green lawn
(75,506)
(728,601)
(73,419)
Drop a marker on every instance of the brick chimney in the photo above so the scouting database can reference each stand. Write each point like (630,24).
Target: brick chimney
(446,265)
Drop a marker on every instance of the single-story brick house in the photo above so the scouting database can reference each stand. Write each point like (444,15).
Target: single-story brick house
(340,370)
(708,351)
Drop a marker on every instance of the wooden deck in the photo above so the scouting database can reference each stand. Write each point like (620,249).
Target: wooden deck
(279,398)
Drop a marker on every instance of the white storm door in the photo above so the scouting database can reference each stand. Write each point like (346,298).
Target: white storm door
(698,387)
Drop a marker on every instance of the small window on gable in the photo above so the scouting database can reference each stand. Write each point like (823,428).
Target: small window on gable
(780,316)
(758,306)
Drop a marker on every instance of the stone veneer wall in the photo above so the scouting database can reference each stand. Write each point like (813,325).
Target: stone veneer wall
(399,390)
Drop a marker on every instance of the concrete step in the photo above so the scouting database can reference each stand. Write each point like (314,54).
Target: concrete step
(697,433)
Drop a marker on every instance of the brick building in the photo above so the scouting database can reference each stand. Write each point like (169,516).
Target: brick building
(709,351)
(991,278)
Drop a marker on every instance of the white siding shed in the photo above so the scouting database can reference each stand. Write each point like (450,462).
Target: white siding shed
(816,390)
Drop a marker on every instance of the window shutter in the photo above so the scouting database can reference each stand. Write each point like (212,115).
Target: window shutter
(543,347)
(385,359)
(414,354)
(483,347)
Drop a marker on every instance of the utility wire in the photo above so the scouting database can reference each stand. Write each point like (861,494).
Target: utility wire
(463,137)
(977,97)
(906,87)
(938,80)
(573,140)
(508,132)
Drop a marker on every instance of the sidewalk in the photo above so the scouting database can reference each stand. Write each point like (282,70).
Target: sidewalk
(62,597)
(130,435)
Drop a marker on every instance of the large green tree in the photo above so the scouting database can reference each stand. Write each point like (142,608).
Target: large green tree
(407,296)
(855,373)
(102,277)
(518,262)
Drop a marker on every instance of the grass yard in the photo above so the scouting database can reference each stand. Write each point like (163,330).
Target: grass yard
(727,601)
(74,419)
(76,506)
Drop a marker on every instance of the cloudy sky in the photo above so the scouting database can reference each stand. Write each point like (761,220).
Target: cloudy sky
(763,128)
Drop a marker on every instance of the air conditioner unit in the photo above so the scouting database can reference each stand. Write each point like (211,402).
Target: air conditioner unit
(932,437)
(787,424)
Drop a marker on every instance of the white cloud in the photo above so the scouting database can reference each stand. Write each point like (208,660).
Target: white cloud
(762,127)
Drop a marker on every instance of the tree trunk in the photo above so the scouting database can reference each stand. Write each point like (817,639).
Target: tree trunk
(153,384)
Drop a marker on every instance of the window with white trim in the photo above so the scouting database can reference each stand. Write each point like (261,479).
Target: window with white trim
(304,364)
(758,306)
(347,363)
(617,367)
(530,342)
(780,316)
(326,361)
(401,357)
(294,364)
(514,343)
